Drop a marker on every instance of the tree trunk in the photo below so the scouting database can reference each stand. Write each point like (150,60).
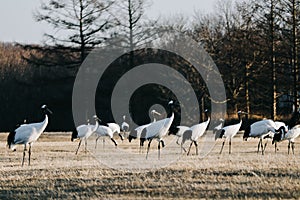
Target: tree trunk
(82,44)
(273,61)
(295,56)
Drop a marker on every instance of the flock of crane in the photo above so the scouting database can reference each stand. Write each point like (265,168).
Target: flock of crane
(28,133)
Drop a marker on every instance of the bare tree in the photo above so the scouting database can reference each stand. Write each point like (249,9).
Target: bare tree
(291,17)
(76,23)
(266,18)
(134,28)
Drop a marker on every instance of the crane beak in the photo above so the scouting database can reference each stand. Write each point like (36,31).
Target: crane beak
(49,111)
(157,113)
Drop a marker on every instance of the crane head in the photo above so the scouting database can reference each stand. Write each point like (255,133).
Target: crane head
(155,112)
(46,110)
(96,118)
(171,102)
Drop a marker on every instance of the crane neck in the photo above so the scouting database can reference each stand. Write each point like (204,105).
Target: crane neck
(96,126)
(206,116)
(240,118)
(44,123)
(171,111)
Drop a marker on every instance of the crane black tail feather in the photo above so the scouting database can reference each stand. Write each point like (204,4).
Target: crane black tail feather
(74,135)
(11,138)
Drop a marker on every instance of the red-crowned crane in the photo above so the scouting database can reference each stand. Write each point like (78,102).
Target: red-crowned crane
(291,135)
(103,131)
(228,132)
(115,129)
(27,134)
(138,130)
(262,129)
(159,129)
(196,132)
(179,131)
(124,125)
(83,132)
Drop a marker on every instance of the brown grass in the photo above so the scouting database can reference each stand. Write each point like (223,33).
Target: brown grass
(56,172)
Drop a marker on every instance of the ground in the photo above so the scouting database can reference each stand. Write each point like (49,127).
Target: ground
(56,172)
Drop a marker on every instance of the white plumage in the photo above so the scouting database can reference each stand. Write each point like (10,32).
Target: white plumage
(262,129)
(115,129)
(219,126)
(104,131)
(291,135)
(27,134)
(83,132)
(180,131)
(138,130)
(158,130)
(125,125)
(197,131)
(281,124)
(228,132)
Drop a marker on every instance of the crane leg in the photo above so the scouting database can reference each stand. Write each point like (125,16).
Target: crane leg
(103,143)
(96,142)
(222,146)
(262,147)
(196,145)
(263,152)
(162,144)
(141,145)
(85,145)
(23,155)
(293,147)
(182,148)
(114,142)
(230,146)
(258,146)
(190,148)
(121,136)
(158,150)
(148,148)
(289,146)
(276,147)
(78,147)
(29,154)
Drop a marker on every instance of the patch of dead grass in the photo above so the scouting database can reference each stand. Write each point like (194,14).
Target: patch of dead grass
(56,172)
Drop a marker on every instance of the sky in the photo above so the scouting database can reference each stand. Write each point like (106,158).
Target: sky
(18,25)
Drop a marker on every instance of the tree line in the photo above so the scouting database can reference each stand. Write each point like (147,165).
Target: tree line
(255,45)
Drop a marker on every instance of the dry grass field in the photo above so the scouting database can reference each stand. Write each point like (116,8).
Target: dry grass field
(56,172)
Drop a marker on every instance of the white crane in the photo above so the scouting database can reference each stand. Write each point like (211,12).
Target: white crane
(291,135)
(159,129)
(262,129)
(283,130)
(179,131)
(103,131)
(138,130)
(294,122)
(83,132)
(124,125)
(197,131)
(228,132)
(219,126)
(27,134)
(115,129)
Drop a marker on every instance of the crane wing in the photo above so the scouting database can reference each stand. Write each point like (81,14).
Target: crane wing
(24,133)
(156,128)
